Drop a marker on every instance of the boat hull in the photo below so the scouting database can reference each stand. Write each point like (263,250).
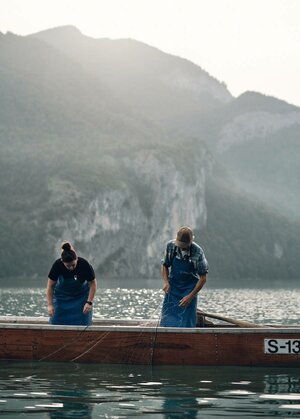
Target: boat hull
(138,342)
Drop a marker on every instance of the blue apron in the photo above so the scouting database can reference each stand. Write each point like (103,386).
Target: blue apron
(182,281)
(69,298)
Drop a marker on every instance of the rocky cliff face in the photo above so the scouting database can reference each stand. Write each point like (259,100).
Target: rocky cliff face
(255,125)
(123,232)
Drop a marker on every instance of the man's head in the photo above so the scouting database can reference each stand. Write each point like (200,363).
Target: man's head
(184,238)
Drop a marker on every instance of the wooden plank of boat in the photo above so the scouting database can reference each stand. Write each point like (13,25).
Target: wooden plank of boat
(239,323)
(142,342)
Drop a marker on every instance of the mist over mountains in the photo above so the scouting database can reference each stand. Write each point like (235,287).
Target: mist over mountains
(114,144)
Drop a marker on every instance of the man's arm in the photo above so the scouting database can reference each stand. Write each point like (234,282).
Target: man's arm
(164,272)
(185,301)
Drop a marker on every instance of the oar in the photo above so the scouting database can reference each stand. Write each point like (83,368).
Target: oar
(239,323)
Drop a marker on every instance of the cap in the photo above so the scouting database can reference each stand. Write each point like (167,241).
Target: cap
(184,237)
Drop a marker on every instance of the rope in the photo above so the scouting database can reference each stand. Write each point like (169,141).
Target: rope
(107,333)
(155,334)
(88,350)
(65,345)
(101,338)
(170,305)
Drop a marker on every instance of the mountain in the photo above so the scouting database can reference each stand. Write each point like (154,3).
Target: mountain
(186,101)
(174,92)
(259,140)
(115,144)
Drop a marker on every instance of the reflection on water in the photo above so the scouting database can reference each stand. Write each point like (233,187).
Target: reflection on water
(260,306)
(66,390)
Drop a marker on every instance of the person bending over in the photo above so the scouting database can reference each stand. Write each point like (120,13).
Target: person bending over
(71,289)
(184,269)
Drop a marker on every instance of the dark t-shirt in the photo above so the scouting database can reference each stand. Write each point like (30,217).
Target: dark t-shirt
(83,271)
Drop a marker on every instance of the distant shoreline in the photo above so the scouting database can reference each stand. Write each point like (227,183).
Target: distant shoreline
(156,283)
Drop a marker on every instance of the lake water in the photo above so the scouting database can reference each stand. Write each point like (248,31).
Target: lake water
(70,390)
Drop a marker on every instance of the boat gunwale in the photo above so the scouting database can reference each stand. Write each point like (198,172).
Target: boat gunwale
(140,326)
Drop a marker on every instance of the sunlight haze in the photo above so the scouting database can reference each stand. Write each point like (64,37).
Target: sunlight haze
(248,44)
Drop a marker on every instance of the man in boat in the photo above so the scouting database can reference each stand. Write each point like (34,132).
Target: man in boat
(71,289)
(184,270)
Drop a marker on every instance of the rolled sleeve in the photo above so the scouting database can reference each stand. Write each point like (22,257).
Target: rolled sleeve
(166,260)
(199,260)
(202,268)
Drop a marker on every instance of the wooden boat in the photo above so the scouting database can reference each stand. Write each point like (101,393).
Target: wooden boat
(143,342)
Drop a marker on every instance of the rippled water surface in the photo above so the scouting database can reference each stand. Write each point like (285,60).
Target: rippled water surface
(70,390)
(266,306)
(116,391)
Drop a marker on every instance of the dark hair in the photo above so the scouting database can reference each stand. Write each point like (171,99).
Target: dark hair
(68,253)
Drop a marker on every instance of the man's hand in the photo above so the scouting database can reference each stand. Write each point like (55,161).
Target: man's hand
(185,301)
(51,310)
(166,287)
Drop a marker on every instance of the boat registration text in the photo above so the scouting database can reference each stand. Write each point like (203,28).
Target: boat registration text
(282,346)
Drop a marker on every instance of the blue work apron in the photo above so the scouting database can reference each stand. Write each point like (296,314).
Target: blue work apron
(182,281)
(69,298)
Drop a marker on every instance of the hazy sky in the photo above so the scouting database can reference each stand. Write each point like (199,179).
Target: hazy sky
(248,44)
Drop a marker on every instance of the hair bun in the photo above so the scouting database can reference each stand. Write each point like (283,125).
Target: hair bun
(66,246)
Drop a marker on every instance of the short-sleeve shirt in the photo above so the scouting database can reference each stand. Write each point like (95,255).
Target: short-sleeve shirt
(195,255)
(83,271)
